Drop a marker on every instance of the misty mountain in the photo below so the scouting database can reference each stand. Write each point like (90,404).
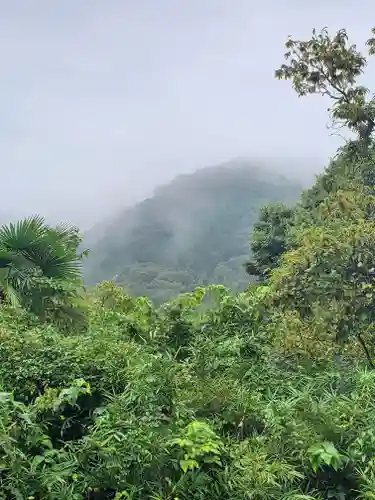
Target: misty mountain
(194,230)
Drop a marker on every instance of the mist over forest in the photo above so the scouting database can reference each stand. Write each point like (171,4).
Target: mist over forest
(101,106)
(187,240)
(192,231)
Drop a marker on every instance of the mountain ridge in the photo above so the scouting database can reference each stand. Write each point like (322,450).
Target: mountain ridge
(192,231)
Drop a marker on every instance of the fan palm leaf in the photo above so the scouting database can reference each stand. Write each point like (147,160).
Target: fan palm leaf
(18,237)
(68,234)
(53,261)
(31,255)
(50,250)
(11,294)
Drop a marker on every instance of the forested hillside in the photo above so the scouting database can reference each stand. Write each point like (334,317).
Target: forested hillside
(266,394)
(193,231)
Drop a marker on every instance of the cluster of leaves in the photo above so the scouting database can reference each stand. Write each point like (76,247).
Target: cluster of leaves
(40,270)
(330,66)
(269,239)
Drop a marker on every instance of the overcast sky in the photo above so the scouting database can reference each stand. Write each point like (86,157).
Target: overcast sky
(101,100)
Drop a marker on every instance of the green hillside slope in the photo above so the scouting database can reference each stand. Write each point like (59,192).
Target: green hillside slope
(193,231)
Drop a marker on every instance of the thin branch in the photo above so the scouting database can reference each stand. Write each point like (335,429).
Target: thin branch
(364,347)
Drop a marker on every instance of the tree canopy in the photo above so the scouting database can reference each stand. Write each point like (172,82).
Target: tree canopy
(330,66)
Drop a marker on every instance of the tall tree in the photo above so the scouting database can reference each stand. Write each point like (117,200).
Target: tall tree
(269,239)
(330,66)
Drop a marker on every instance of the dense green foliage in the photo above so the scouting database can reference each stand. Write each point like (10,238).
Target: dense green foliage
(269,239)
(192,232)
(266,394)
(40,269)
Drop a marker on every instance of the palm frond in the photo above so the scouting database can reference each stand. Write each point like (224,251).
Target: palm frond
(39,262)
(11,295)
(5,258)
(67,235)
(66,230)
(31,242)
(54,262)
(17,237)
(12,258)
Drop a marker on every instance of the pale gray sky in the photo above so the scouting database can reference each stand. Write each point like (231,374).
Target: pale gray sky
(101,100)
